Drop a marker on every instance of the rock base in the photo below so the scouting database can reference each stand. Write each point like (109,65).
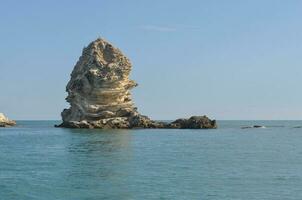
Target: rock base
(140,121)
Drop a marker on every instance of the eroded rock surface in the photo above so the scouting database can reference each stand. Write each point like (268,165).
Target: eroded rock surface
(5,122)
(99,94)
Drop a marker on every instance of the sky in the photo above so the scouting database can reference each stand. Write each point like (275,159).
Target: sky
(226,59)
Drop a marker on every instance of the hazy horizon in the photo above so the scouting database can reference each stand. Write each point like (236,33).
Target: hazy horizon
(230,60)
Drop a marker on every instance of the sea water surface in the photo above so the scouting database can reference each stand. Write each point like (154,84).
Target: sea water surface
(40,162)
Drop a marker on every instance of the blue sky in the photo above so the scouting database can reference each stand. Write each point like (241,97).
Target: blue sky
(228,59)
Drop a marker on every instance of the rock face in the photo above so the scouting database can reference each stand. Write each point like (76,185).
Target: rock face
(99,94)
(5,122)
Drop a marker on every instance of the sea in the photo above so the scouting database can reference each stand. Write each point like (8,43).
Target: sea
(40,162)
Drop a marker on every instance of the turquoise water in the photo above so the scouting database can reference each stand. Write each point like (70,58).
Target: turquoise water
(40,162)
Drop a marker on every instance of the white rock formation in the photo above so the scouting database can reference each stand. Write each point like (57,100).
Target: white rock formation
(5,122)
(99,92)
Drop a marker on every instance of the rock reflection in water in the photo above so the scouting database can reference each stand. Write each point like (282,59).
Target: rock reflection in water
(98,158)
(102,141)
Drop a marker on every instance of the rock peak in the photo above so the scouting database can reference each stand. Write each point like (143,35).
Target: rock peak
(99,43)
(100,39)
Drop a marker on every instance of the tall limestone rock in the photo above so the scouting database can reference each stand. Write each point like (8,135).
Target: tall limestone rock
(99,93)
(99,86)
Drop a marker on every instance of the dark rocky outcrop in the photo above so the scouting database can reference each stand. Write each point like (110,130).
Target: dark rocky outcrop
(99,94)
(194,122)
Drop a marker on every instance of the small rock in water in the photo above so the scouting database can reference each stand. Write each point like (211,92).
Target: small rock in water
(99,94)
(255,126)
(194,122)
(5,122)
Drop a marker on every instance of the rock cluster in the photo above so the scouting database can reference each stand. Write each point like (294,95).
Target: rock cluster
(99,94)
(5,122)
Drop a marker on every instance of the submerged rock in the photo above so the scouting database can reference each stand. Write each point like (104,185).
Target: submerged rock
(5,122)
(255,126)
(99,94)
